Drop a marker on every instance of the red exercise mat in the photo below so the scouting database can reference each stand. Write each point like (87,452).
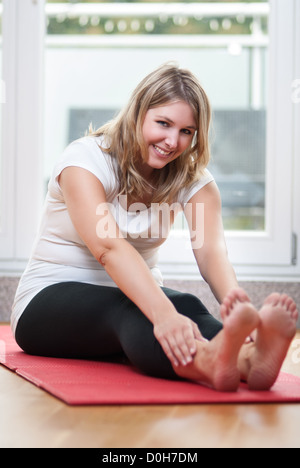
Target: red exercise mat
(79,382)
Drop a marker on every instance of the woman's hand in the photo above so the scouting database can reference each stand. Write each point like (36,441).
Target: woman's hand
(177,336)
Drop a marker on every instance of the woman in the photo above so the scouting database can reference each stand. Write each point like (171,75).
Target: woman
(92,288)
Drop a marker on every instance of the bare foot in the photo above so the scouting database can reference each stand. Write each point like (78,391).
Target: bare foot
(215,363)
(274,335)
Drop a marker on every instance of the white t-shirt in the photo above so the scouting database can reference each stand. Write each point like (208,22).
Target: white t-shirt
(59,254)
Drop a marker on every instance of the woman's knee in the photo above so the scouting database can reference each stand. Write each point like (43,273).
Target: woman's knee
(191,306)
(186,303)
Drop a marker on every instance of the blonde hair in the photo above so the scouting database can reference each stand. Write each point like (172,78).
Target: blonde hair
(123,136)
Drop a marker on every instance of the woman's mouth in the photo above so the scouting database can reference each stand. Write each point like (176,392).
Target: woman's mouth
(161,152)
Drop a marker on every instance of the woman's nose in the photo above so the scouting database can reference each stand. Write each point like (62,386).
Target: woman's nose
(172,140)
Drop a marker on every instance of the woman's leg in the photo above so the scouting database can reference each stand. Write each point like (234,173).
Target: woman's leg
(70,320)
(78,320)
(140,344)
(190,306)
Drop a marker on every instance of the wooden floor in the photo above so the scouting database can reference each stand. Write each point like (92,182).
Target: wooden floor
(29,417)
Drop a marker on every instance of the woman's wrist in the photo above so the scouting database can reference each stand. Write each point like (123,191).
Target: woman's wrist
(162,311)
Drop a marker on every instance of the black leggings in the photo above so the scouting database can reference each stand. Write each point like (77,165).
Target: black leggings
(85,321)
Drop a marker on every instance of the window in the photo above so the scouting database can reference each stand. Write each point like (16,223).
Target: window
(91,45)
(94,54)
(268,246)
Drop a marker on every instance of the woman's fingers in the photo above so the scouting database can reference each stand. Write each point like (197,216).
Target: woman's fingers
(169,353)
(198,336)
(180,347)
(178,337)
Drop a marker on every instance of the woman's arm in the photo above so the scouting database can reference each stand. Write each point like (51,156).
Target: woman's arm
(84,194)
(208,241)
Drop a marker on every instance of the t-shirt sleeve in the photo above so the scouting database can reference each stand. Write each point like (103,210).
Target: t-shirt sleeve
(86,154)
(187,193)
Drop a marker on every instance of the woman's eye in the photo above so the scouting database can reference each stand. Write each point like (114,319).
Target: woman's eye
(185,131)
(162,123)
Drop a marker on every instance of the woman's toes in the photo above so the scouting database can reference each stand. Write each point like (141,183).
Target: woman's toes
(282,300)
(242,295)
(235,296)
(290,304)
(294,311)
(226,305)
(285,300)
(273,299)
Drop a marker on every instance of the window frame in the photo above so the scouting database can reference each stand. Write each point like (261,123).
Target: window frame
(8,142)
(22,129)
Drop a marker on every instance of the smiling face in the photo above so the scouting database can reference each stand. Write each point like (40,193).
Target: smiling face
(167,131)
